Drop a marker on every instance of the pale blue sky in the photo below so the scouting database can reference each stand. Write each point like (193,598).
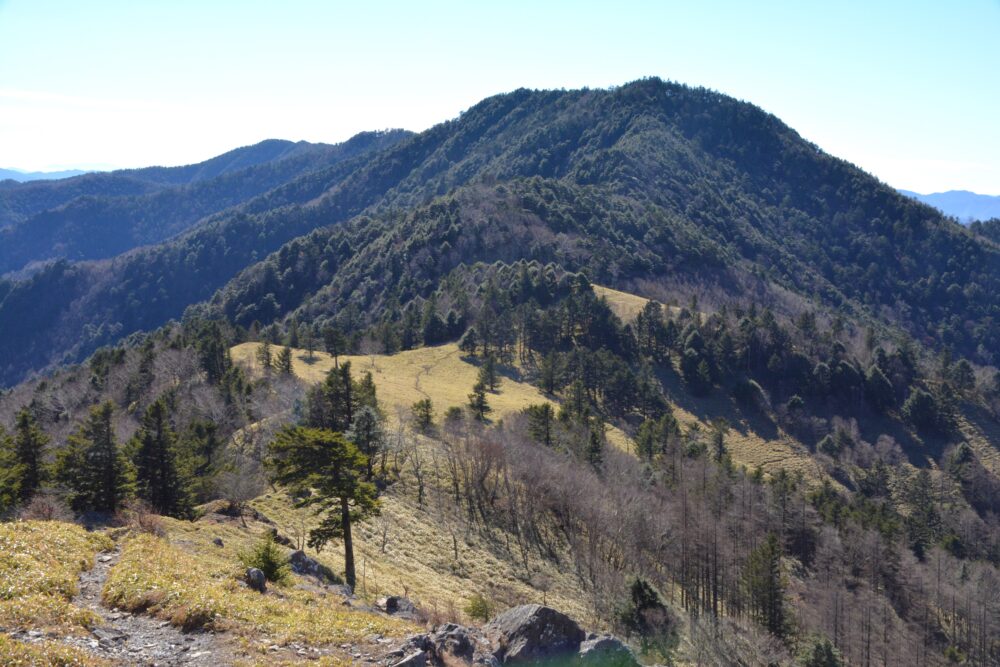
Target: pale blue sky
(909,90)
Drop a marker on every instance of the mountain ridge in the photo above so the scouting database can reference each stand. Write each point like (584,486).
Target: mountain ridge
(711,170)
(962,204)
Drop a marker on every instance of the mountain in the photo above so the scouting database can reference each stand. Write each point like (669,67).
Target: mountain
(684,182)
(642,353)
(24,176)
(962,204)
(96,226)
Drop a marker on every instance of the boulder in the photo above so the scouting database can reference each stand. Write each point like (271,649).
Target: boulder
(453,641)
(415,659)
(531,632)
(256,580)
(395,605)
(281,539)
(606,651)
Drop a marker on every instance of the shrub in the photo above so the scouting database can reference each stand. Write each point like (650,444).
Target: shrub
(138,516)
(267,557)
(479,608)
(45,507)
(645,615)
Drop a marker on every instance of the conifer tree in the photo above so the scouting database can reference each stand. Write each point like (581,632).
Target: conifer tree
(595,445)
(284,362)
(91,467)
(488,373)
(158,480)
(30,442)
(265,357)
(541,422)
(477,401)
(766,586)
(334,343)
(368,434)
(423,414)
(325,471)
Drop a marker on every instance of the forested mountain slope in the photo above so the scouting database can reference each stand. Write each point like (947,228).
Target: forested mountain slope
(692,180)
(95,226)
(19,201)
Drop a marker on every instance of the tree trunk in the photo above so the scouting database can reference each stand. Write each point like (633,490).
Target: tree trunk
(345,522)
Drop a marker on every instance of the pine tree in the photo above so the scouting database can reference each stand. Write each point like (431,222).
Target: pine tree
(264,356)
(469,342)
(432,327)
(325,471)
(423,414)
(91,467)
(368,434)
(766,586)
(595,445)
(284,361)
(488,373)
(541,423)
(477,401)
(548,373)
(30,443)
(334,343)
(158,480)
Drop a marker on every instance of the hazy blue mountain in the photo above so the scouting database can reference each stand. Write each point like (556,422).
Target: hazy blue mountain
(25,176)
(962,204)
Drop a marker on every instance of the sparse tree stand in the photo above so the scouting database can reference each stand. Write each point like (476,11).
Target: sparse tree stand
(325,471)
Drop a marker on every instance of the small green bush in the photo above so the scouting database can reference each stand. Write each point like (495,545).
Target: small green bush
(267,557)
(479,608)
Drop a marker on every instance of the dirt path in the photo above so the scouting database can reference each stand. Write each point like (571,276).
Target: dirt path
(138,639)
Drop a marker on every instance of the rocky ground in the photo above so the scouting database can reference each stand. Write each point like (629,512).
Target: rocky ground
(528,634)
(134,639)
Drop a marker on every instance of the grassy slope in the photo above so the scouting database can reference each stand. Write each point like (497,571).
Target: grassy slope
(751,442)
(418,558)
(440,373)
(193,583)
(40,562)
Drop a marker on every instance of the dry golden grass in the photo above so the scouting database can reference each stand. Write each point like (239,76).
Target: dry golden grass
(626,306)
(45,654)
(418,558)
(193,583)
(40,563)
(440,373)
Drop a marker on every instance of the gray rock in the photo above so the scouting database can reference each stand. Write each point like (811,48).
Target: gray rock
(395,605)
(256,580)
(606,651)
(415,659)
(453,641)
(306,566)
(532,632)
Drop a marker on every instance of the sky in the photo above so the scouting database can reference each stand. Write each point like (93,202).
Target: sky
(909,90)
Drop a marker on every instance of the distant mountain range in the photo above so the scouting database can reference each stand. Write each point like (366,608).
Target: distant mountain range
(24,176)
(962,204)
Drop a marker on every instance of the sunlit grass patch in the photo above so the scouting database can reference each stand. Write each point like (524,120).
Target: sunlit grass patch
(40,563)
(45,654)
(202,589)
